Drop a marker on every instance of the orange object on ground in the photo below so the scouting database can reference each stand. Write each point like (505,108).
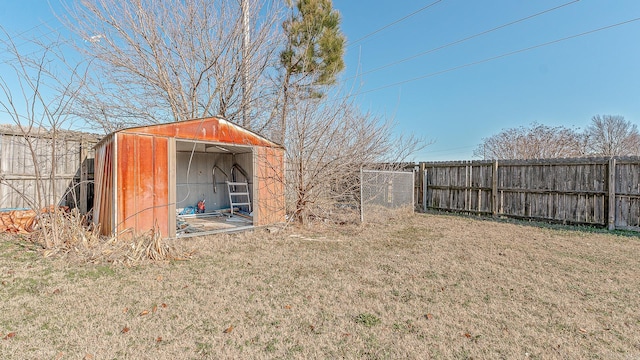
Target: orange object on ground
(17,221)
(24,221)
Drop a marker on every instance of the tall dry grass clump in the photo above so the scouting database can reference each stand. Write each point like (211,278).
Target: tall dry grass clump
(69,234)
(144,248)
(59,232)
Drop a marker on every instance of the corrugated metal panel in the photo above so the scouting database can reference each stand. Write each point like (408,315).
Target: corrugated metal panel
(104,196)
(207,129)
(269,205)
(143,183)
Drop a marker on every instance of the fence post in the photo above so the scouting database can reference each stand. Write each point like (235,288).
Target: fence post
(413,193)
(84,177)
(361,199)
(421,186)
(494,189)
(611,211)
(424,187)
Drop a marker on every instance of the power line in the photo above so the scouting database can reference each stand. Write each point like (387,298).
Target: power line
(30,29)
(15,46)
(43,23)
(393,23)
(494,57)
(464,39)
(450,149)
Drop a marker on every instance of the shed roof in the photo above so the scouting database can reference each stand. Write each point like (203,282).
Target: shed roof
(204,129)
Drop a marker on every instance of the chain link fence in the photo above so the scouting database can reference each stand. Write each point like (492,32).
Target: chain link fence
(382,191)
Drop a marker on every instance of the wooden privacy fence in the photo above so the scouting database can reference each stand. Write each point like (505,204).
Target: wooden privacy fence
(590,191)
(43,168)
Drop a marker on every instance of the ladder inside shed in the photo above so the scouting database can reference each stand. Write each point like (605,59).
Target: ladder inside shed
(239,194)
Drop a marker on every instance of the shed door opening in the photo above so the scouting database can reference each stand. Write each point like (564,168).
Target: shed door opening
(210,177)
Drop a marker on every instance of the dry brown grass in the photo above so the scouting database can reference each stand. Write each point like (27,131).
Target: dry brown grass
(65,234)
(59,232)
(424,286)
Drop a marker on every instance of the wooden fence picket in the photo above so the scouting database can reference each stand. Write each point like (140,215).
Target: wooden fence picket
(593,191)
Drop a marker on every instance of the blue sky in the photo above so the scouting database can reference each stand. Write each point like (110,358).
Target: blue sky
(560,84)
(27,18)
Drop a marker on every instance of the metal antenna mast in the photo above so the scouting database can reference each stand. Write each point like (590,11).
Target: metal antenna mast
(244,4)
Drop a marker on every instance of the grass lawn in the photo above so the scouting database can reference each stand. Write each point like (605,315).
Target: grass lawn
(423,286)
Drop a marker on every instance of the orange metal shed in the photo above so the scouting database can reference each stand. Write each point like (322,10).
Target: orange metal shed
(144,174)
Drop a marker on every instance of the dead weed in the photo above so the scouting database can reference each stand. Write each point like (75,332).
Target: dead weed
(67,234)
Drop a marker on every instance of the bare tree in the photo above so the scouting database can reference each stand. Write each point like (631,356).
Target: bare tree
(534,142)
(36,96)
(328,143)
(179,59)
(162,61)
(612,135)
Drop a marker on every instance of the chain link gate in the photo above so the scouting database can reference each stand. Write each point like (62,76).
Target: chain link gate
(383,190)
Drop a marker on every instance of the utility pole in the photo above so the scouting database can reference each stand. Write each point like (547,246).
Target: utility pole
(244,4)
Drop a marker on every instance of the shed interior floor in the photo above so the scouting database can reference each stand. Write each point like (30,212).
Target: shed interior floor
(211,223)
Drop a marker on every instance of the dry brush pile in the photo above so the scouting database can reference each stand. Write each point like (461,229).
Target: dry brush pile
(67,234)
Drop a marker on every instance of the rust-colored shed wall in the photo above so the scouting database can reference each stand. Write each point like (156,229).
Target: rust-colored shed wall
(269,204)
(142,192)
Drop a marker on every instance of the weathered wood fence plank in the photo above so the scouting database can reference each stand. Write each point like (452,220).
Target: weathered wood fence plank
(595,191)
(39,169)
